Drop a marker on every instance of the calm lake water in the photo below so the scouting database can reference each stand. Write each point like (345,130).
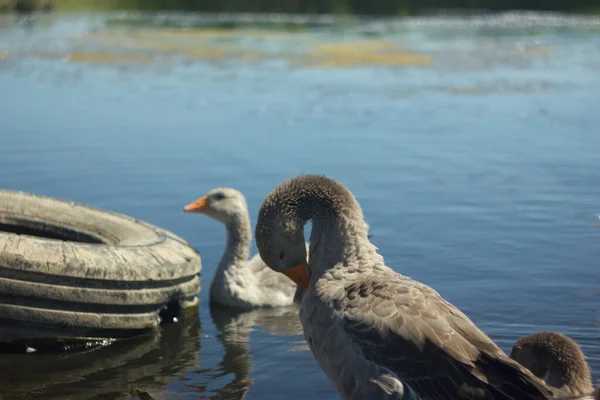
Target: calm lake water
(472,144)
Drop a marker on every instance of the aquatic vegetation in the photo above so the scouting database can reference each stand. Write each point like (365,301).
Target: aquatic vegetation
(207,44)
(352,54)
(100,58)
(144,44)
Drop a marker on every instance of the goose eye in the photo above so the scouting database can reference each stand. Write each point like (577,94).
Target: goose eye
(218,196)
(280,256)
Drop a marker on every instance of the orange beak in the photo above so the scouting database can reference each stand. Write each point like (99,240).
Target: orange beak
(299,274)
(198,206)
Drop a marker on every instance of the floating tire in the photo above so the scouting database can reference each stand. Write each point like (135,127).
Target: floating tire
(79,269)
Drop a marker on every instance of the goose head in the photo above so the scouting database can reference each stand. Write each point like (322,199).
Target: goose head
(279,232)
(280,242)
(279,229)
(221,204)
(555,358)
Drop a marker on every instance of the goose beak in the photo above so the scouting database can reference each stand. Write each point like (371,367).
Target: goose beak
(198,206)
(299,274)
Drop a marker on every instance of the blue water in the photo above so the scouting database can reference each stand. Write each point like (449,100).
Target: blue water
(478,172)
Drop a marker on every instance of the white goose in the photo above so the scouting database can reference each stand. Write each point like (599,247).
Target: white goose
(558,360)
(240,282)
(376,333)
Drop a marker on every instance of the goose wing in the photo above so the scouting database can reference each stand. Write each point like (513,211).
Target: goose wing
(411,331)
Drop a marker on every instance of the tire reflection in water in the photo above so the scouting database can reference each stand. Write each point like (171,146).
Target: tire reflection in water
(147,363)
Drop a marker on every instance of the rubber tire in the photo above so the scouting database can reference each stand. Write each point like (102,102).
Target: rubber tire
(75,266)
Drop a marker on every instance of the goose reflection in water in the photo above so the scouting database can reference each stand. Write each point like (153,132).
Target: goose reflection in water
(146,363)
(234,327)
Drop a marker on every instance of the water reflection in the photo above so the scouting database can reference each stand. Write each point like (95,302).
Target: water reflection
(234,329)
(145,363)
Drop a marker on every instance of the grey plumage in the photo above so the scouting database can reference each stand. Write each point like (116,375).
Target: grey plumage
(376,333)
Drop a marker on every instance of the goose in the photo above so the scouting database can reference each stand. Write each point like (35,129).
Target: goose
(558,360)
(239,282)
(375,333)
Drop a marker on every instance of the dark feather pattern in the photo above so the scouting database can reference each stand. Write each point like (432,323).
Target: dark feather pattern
(432,347)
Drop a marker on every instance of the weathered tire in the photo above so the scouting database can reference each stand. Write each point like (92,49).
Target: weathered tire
(70,265)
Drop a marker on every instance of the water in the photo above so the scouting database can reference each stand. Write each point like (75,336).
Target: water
(471,143)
